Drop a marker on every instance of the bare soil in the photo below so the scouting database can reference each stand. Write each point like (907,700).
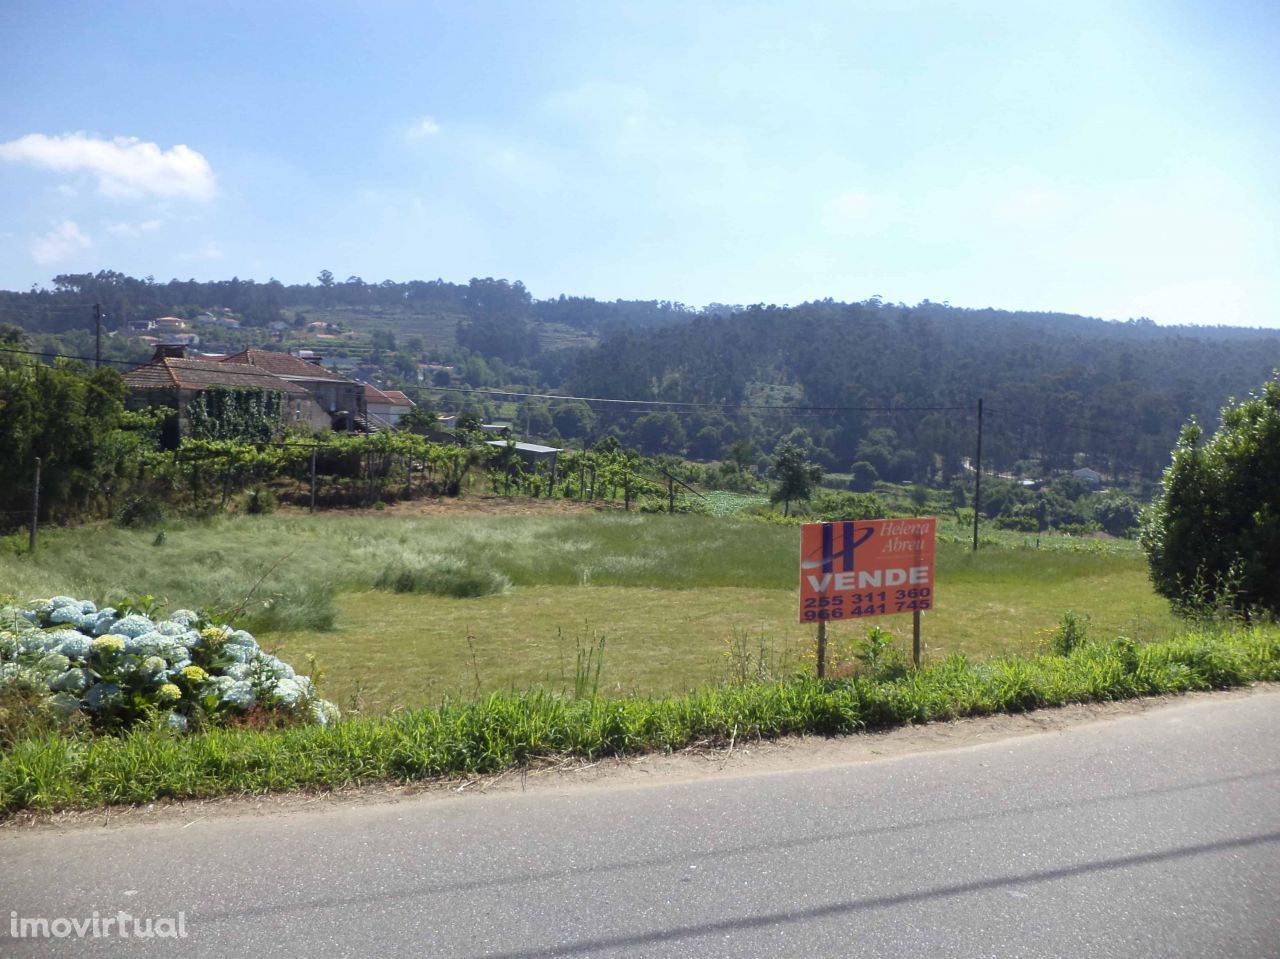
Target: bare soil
(697,762)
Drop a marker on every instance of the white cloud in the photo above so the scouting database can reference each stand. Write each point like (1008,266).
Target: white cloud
(63,241)
(126,167)
(426,127)
(134,229)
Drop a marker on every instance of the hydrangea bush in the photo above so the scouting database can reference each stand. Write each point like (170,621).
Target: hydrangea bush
(120,666)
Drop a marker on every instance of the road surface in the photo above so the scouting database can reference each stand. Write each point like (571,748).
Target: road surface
(1155,834)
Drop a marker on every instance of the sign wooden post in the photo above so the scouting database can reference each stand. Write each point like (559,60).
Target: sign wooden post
(859,568)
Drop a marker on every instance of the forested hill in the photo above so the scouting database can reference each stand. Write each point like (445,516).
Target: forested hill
(1054,386)
(1059,390)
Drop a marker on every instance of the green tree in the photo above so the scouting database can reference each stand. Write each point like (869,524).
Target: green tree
(1212,536)
(796,476)
(422,418)
(1117,513)
(862,477)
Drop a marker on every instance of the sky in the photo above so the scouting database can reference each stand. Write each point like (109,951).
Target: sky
(1115,159)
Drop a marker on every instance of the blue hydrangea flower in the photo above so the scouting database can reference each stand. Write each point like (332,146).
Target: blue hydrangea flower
(133,626)
(152,641)
(57,602)
(238,653)
(184,616)
(170,628)
(64,704)
(188,639)
(176,721)
(279,667)
(72,681)
(288,692)
(238,694)
(66,614)
(75,646)
(100,696)
(238,671)
(243,638)
(54,663)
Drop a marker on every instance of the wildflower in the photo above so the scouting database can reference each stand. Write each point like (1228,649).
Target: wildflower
(168,693)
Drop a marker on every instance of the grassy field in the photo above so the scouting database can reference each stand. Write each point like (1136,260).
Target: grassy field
(679,602)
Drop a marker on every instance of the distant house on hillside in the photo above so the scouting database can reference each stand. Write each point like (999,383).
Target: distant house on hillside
(169,324)
(1092,477)
(385,407)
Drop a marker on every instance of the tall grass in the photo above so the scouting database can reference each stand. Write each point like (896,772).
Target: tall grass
(47,772)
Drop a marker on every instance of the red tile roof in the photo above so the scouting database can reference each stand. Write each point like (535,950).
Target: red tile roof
(286,365)
(167,373)
(388,397)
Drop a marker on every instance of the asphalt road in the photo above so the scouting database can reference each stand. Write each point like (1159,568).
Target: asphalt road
(1156,834)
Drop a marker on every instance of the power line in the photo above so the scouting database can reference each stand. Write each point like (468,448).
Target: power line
(693,407)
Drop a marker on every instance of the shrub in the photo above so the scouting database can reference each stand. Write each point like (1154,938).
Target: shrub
(140,511)
(63,661)
(442,576)
(1212,536)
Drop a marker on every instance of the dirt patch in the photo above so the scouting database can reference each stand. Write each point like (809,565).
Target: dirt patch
(697,762)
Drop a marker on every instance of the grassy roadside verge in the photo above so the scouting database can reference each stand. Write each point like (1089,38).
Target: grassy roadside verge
(56,772)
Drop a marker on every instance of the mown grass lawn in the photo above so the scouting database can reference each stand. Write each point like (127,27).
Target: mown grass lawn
(389,650)
(680,602)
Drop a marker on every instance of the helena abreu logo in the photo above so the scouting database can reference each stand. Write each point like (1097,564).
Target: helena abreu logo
(121,925)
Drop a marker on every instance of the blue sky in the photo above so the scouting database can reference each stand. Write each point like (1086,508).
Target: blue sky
(1115,159)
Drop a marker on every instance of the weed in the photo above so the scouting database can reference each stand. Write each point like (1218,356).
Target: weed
(878,655)
(1071,632)
(586,673)
(752,662)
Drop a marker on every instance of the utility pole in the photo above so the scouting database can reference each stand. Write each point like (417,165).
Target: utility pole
(35,506)
(97,336)
(977,481)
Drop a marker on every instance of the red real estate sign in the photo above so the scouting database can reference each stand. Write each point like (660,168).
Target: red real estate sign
(862,568)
